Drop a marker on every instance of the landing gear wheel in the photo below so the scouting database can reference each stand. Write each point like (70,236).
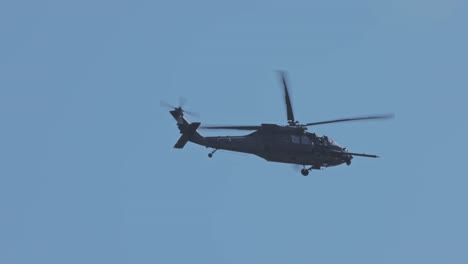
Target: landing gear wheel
(304,172)
(348,162)
(211,153)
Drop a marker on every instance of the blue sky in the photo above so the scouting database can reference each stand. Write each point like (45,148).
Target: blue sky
(89,175)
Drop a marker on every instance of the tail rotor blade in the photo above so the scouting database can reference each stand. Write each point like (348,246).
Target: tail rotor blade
(165,104)
(192,113)
(182,101)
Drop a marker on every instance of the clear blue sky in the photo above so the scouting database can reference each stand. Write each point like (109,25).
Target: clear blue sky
(87,169)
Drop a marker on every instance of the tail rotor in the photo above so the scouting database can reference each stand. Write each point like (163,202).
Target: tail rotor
(182,102)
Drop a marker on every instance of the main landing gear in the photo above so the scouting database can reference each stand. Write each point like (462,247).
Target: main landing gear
(210,155)
(305,171)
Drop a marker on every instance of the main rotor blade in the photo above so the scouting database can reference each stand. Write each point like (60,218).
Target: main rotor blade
(233,127)
(387,116)
(364,155)
(357,154)
(289,110)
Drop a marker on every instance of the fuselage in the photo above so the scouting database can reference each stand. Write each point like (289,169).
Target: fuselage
(304,149)
(288,144)
(274,143)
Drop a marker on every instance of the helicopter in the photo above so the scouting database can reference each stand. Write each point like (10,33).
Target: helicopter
(290,143)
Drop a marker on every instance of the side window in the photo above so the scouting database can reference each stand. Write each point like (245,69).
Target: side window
(305,140)
(295,139)
(325,140)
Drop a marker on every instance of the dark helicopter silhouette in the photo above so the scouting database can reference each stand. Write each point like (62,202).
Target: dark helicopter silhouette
(287,144)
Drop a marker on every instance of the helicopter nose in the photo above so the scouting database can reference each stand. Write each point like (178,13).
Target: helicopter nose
(347,157)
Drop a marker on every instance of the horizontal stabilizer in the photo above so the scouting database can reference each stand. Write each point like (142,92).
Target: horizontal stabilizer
(188,132)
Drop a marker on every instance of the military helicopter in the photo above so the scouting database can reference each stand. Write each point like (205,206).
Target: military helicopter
(289,143)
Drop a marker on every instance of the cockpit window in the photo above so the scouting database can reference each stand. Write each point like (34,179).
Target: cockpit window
(295,139)
(330,141)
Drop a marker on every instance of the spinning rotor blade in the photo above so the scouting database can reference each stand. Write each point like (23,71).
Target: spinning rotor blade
(363,155)
(165,104)
(233,127)
(356,154)
(289,110)
(181,103)
(387,116)
(190,113)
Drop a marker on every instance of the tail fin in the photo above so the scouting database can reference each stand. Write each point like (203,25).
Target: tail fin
(188,130)
(186,135)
